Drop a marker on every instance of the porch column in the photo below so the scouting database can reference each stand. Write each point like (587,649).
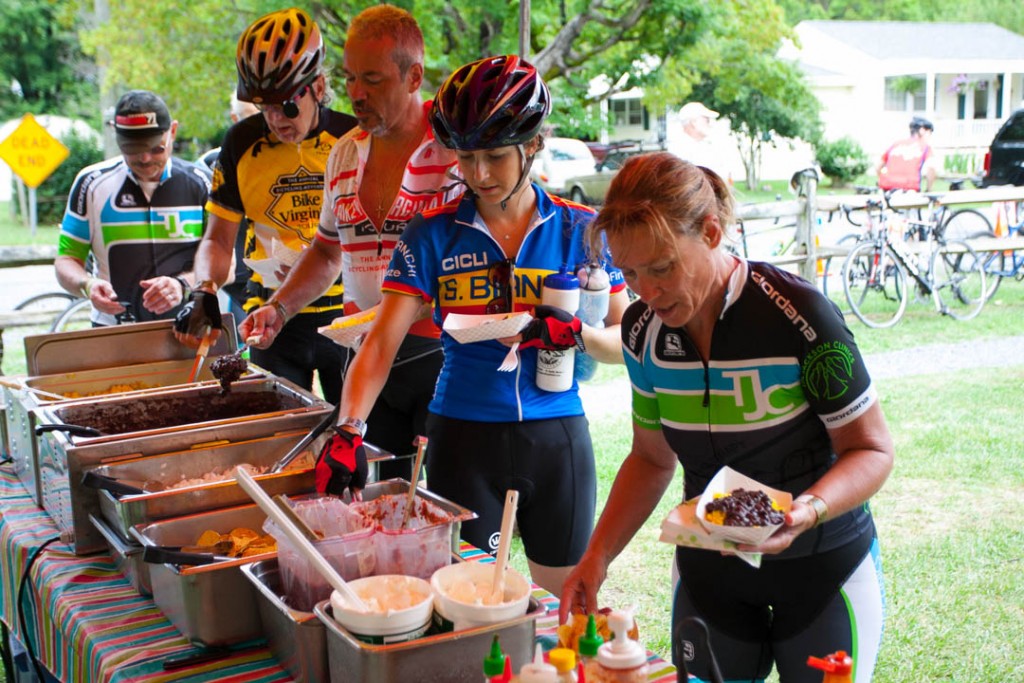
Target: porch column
(1006,93)
(929,95)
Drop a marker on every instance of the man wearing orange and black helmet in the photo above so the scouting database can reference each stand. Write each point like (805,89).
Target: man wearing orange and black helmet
(271,171)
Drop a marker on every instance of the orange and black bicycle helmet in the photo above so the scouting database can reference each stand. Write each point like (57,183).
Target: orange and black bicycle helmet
(278,54)
(492,102)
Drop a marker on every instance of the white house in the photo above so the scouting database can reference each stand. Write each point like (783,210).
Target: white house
(873,76)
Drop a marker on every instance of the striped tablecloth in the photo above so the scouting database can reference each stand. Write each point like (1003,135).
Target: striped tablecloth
(86,622)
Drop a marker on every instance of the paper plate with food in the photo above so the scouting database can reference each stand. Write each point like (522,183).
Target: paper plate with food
(467,329)
(350,330)
(736,508)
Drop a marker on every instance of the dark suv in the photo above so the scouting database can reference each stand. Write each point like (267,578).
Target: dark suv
(1004,161)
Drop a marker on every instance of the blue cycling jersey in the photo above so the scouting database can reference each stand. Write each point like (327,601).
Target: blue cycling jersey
(445,257)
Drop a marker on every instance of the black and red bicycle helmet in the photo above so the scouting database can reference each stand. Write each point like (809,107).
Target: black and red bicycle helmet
(492,102)
(278,54)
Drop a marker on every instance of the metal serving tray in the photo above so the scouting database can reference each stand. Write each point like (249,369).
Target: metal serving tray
(78,361)
(450,657)
(21,418)
(296,638)
(127,556)
(122,512)
(115,346)
(64,459)
(212,604)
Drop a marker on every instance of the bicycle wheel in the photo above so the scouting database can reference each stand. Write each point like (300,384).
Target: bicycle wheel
(964,223)
(74,317)
(994,263)
(832,272)
(40,312)
(875,285)
(958,280)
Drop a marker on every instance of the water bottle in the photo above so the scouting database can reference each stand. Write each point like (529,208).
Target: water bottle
(594,292)
(555,367)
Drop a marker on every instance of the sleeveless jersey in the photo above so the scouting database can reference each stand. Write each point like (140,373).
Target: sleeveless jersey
(783,366)
(430,179)
(279,187)
(131,237)
(444,257)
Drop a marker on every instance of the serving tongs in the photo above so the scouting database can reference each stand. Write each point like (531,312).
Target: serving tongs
(298,448)
(121,487)
(70,430)
(187,554)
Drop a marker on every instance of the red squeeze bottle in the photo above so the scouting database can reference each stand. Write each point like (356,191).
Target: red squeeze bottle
(838,667)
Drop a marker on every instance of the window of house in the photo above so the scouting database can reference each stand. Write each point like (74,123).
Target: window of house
(628,112)
(905,93)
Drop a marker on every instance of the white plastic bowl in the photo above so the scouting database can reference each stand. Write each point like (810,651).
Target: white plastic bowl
(385,625)
(456,585)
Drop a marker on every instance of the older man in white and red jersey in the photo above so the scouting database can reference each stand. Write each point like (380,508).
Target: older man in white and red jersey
(378,177)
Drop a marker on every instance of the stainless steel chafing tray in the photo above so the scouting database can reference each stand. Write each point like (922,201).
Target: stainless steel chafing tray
(127,556)
(148,377)
(296,638)
(211,604)
(450,657)
(122,512)
(92,360)
(64,458)
(117,345)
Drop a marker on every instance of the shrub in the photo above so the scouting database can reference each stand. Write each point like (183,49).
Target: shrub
(842,160)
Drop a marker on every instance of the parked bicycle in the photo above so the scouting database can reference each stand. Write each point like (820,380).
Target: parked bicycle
(1007,263)
(877,273)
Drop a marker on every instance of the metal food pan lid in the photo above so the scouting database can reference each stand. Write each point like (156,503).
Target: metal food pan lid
(116,345)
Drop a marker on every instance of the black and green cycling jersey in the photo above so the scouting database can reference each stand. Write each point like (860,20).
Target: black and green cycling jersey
(783,368)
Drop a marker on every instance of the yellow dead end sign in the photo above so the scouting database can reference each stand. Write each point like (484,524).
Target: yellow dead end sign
(31,152)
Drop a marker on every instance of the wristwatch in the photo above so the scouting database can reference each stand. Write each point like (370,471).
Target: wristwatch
(355,423)
(185,288)
(820,507)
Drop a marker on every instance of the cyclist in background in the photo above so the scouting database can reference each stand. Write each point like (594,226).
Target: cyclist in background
(907,162)
(140,216)
(271,172)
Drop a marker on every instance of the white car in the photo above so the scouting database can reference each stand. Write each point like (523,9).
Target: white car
(561,158)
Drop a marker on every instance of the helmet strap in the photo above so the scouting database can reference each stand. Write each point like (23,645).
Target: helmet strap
(526,162)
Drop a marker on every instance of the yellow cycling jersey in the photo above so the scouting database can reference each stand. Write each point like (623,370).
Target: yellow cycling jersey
(278,187)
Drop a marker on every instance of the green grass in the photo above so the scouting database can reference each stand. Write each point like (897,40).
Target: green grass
(950,520)
(14,232)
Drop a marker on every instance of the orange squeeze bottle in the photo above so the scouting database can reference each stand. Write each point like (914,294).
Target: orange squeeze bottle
(838,667)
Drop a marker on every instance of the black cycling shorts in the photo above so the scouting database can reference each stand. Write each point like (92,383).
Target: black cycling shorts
(550,463)
(778,614)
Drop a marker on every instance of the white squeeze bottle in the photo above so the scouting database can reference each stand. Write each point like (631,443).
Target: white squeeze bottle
(537,671)
(620,660)
(594,293)
(555,368)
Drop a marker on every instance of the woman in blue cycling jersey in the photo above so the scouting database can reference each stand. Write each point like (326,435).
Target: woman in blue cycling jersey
(489,252)
(738,363)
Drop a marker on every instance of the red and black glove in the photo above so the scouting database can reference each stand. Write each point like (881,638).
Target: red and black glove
(341,464)
(553,328)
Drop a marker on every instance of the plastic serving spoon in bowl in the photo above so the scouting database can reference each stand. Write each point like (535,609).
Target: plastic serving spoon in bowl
(307,549)
(411,497)
(504,545)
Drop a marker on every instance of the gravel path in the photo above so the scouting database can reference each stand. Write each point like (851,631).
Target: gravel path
(613,397)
